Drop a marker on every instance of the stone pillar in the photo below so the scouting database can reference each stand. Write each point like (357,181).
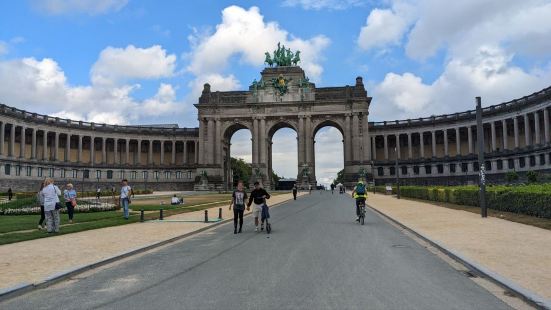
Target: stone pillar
(67,148)
(184,155)
(197,144)
(150,153)
(79,155)
(546,125)
(410,148)
(262,140)
(200,150)
(386,146)
(493,132)
(255,141)
(45,145)
(116,151)
(92,150)
(504,134)
(446,154)
(374,147)
(162,159)
(33,144)
(433,138)
(56,145)
(308,139)
(173,157)
(421,145)
(515,129)
(217,143)
(210,146)
(103,150)
(366,140)
(22,144)
(355,137)
(527,130)
(12,141)
(139,151)
(127,151)
(537,128)
(347,139)
(470,138)
(398,151)
(2,137)
(457,141)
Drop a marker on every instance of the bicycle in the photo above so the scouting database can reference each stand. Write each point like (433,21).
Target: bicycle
(361,206)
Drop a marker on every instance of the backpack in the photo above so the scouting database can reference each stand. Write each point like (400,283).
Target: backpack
(360,189)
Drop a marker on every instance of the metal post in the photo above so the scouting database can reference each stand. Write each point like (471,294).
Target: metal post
(161,214)
(481,163)
(206,216)
(141,216)
(397,175)
(219,213)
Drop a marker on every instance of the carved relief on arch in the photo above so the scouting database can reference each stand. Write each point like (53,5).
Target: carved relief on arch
(320,122)
(273,125)
(229,127)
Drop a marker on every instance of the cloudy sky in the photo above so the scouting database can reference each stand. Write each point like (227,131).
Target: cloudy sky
(137,62)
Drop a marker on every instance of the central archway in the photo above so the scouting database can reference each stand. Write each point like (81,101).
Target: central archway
(283,143)
(236,144)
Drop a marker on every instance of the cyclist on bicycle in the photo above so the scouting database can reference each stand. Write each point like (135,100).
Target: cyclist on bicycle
(360,195)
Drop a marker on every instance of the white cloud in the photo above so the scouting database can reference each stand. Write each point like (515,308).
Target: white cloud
(386,27)
(329,154)
(3,48)
(489,74)
(120,64)
(324,4)
(47,91)
(91,7)
(245,33)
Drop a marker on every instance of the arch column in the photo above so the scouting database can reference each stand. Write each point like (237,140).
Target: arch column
(92,150)
(127,151)
(410,148)
(185,155)
(173,157)
(103,150)
(546,125)
(422,144)
(300,142)
(493,135)
(347,139)
(11,150)
(22,143)
(355,137)
(385,143)
(309,141)
(210,146)
(515,129)
(162,157)
(470,138)
(139,153)
(150,152)
(457,141)
(527,130)
(2,137)
(67,148)
(446,154)
(504,134)
(79,154)
(33,144)
(116,158)
(56,146)
(45,145)
(537,128)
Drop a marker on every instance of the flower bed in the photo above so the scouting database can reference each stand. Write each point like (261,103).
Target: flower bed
(82,208)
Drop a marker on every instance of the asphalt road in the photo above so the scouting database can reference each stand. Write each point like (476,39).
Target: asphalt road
(317,257)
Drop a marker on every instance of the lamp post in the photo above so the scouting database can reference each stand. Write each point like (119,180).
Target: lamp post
(397,173)
(481,163)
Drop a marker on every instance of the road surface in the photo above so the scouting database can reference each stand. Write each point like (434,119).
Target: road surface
(317,257)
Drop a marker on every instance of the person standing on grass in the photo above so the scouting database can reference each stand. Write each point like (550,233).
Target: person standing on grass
(51,205)
(70,196)
(10,194)
(126,190)
(295,190)
(40,199)
(258,196)
(98,193)
(239,197)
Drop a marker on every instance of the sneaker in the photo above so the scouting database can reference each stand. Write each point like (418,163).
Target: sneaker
(235,231)
(70,221)
(262,227)
(239,231)
(357,219)
(256,229)
(39,227)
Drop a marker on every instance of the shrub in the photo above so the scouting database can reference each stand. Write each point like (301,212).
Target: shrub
(532,176)
(511,176)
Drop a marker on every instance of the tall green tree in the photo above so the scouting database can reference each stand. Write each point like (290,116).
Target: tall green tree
(241,170)
(339,178)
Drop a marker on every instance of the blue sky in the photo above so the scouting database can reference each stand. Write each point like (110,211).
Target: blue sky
(130,61)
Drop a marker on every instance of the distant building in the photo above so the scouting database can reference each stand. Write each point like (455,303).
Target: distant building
(286,184)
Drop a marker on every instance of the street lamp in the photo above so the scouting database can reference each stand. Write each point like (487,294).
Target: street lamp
(481,162)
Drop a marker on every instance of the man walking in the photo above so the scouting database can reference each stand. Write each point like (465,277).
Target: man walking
(258,196)
(295,190)
(239,197)
(10,194)
(125,197)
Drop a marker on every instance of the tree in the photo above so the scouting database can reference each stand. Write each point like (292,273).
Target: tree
(340,177)
(532,176)
(511,176)
(275,177)
(241,170)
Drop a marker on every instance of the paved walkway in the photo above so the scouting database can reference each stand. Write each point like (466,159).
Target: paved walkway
(519,252)
(32,261)
(317,257)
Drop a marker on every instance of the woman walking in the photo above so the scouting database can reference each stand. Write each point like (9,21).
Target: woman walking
(51,205)
(40,199)
(70,196)
(239,197)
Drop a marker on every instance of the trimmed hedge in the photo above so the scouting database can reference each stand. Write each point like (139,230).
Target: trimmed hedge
(534,200)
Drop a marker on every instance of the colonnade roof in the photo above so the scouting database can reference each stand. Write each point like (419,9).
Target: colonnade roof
(502,108)
(68,123)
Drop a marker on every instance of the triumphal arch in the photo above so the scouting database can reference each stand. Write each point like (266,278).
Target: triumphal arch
(283,97)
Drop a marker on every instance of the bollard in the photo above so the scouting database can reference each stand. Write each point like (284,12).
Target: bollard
(161,214)
(219,213)
(206,216)
(141,216)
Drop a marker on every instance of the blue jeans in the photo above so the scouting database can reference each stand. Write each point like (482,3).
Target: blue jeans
(124,206)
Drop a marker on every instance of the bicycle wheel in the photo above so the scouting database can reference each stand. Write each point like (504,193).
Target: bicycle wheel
(362,219)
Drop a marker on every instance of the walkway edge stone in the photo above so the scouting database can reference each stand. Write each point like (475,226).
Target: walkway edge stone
(23,288)
(529,296)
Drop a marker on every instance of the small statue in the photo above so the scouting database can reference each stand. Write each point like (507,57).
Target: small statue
(296,59)
(268,59)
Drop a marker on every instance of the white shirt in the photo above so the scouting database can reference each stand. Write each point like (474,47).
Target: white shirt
(175,200)
(125,191)
(51,197)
